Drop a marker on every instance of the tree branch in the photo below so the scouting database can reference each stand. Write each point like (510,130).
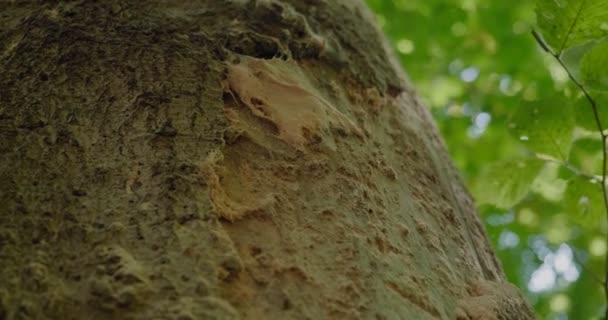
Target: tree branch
(604,139)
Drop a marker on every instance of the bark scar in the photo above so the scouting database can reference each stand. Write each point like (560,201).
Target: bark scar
(279,92)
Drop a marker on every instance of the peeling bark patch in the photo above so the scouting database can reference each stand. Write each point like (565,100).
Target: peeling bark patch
(223,205)
(416,298)
(492,301)
(274,90)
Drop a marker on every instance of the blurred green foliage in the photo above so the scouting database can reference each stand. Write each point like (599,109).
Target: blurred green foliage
(522,134)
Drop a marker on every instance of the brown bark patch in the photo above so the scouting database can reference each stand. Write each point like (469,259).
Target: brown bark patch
(274,90)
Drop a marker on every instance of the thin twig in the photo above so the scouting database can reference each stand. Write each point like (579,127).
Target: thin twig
(604,139)
(568,166)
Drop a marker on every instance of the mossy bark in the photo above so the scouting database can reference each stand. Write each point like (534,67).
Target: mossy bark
(226,160)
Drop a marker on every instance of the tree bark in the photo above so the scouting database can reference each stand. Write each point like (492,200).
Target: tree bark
(226,160)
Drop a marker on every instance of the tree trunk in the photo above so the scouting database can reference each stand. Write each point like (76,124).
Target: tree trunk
(226,160)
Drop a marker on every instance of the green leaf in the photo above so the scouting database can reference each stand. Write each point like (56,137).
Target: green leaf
(594,73)
(585,118)
(566,23)
(545,126)
(505,183)
(584,114)
(572,57)
(586,155)
(583,201)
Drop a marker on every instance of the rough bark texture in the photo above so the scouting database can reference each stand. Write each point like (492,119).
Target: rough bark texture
(226,160)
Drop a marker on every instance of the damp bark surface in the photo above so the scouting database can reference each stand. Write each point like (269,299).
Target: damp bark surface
(226,160)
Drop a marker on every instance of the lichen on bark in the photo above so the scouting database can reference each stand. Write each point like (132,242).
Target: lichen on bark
(226,160)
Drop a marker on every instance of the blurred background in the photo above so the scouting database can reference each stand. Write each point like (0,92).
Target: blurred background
(474,63)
